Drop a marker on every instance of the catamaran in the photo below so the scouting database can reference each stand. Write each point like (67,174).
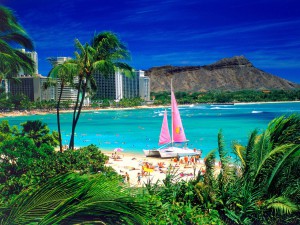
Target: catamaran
(169,150)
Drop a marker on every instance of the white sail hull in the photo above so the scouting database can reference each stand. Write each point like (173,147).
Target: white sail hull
(151,153)
(172,152)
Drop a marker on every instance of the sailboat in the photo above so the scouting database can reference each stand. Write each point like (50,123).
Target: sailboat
(169,150)
(164,138)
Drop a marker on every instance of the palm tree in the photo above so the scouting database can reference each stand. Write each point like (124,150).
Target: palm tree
(267,176)
(12,34)
(102,55)
(64,73)
(263,181)
(74,199)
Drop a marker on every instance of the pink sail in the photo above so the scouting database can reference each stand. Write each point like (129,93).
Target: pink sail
(177,128)
(164,137)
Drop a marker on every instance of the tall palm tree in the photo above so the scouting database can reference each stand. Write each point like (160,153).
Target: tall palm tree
(63,74)
(13,34)
(104,55)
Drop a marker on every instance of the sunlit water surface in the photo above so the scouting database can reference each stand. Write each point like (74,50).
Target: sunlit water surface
(138,129)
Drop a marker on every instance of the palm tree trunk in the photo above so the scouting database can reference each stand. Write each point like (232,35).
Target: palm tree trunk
(80,106)
(71,144)
(58,118)
(75,120)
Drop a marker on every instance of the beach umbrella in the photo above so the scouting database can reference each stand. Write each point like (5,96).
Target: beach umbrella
(118,149)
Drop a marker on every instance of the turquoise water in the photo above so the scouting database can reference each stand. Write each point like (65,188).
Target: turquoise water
(137,129)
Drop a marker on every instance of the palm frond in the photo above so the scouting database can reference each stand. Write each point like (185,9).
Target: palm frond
(210,160)
(269,162)
(281,205)
(26,63)
(239,150)
(18,38)
(104,67)
(284,161)
(71,199)
(249,156)
(8,21)
(224,159)
(78,45)
(125,68)
(285,129)
(11,30)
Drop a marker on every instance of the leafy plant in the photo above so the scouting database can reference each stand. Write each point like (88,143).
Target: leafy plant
(74,199)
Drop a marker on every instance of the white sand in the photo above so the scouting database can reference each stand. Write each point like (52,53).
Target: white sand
(132,164)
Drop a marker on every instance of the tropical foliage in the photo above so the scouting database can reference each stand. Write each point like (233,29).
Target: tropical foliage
(104,55)
(12,34)
(163,98)
(261,186)
(74,199)
(39,185)
(28,158)
(63,74)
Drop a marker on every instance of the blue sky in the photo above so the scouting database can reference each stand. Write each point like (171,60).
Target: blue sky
(171,32)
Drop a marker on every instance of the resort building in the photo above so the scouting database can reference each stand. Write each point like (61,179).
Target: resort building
(31,86)
(69,92)
(107,87)
(34,57)
(113,87)
(58,60)
(118,86)
(144,86)
(131,85)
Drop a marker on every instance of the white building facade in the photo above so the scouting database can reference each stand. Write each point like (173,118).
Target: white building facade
(118,86)
(144,86)
(69,93)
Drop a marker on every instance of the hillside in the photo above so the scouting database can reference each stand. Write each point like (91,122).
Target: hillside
(232,74)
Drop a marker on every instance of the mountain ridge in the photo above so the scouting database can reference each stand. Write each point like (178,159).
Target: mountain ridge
(229,74)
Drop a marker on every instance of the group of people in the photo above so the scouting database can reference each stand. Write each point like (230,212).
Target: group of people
(147,168)
(115,156)
(187,160)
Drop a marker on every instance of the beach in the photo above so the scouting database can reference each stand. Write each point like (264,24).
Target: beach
(53,111)
(132,165)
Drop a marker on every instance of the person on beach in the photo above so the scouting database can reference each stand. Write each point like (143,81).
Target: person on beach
(139,177)
(186,160)
(143,171)
(123,178)
(127,177)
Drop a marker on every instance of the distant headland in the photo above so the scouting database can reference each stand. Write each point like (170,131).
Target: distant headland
(228,74)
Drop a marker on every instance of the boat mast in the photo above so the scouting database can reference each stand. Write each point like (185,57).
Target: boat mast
(172,112)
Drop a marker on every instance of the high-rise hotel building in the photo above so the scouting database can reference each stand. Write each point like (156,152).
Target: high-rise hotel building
(144,86)
(30,85)
(118,86)
(114,87)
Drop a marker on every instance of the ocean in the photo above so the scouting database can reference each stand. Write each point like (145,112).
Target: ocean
(138,129)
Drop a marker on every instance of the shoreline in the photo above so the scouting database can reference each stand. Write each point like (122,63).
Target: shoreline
(42,112)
